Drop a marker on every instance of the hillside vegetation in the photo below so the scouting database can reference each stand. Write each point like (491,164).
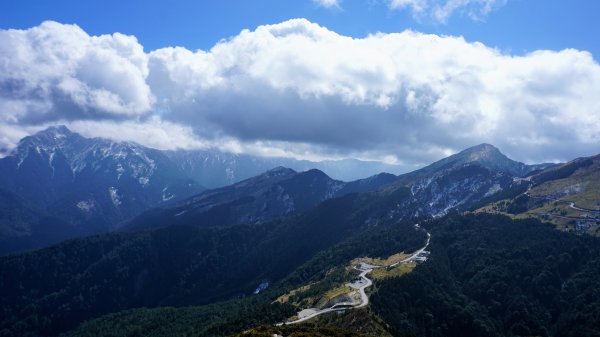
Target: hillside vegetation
(567,196)
(493,276)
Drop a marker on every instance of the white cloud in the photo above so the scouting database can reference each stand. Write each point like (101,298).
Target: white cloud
(160,134)
(298,89)
(328,3)
(154,133)
(11,134)
(417,6)
(441,10)
(54,68)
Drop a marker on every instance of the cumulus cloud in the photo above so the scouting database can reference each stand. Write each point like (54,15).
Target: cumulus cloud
(441,10)
(154,133)
(298,89)
(57,69)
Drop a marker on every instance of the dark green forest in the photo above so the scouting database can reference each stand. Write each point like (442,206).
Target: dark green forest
(487,275)
(222,319)
(52,290)
(229,317)
(491,276)
(233,316)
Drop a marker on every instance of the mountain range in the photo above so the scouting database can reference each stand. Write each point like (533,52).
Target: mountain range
(217,262)
(458,181)
(276,193)
(213,168)
(85,186)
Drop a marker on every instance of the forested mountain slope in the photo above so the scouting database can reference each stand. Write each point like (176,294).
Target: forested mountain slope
(492,276)
(178,265)
(487,276)
(277,193)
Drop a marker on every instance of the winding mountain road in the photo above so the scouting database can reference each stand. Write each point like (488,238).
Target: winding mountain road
(571,204)
(365,269)
(364,299)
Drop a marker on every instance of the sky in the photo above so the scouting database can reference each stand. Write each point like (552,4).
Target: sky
(400,81)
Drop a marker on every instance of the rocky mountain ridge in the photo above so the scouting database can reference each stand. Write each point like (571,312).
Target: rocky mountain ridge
(97,185)
(90,185)
(276,193)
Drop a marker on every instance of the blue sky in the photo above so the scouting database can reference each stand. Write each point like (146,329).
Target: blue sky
(401,81)
(519,26)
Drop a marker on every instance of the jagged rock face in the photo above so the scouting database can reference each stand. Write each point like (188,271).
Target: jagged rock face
(91,182)
(96,185)
(436,194)
(458,181)
(457,188)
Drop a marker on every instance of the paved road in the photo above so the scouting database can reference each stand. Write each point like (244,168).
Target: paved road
(572,205)
(567,217)
(343,305)
(364,299)
(305,318)
(415,254)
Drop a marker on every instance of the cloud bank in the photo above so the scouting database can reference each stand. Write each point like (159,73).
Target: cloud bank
(299,89)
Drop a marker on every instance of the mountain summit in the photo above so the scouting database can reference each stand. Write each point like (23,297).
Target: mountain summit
(89,185)
(460,180)
(53,132)
(490,157)
(484,155)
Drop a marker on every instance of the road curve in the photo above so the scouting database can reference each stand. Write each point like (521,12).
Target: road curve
(368,282)
(345,305)
(573,206)
(364,299)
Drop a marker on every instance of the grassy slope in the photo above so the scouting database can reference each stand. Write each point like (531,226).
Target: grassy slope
(581,186)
